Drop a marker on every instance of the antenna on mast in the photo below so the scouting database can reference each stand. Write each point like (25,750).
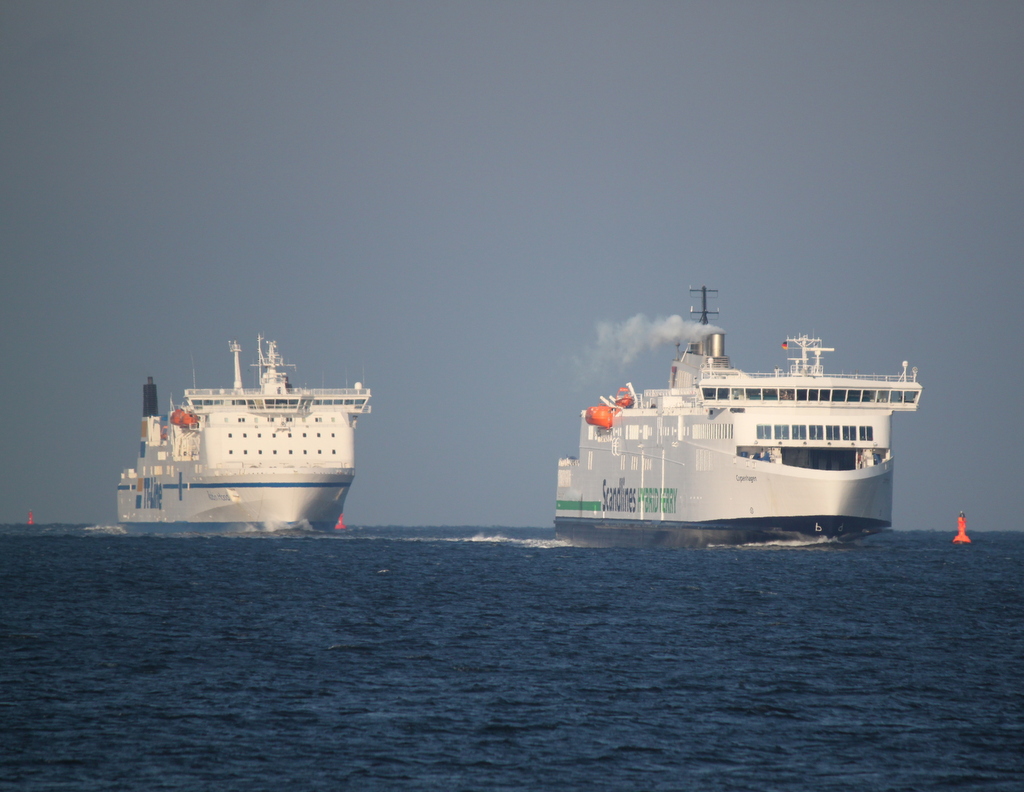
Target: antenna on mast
(703,291)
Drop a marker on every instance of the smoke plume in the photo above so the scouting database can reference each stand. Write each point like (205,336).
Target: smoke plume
(618,343)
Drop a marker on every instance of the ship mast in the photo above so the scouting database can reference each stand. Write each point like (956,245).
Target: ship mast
(703,291)
(236,348)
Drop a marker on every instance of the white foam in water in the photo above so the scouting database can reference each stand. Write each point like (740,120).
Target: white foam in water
(106,529)
(501,539)
(816,542)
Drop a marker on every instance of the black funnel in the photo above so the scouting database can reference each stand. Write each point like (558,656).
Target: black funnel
(149,399)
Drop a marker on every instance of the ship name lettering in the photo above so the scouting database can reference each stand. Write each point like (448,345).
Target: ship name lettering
(620,498)
(746,478)
(628,499)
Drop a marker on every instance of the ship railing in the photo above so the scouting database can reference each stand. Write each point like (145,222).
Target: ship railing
(292,392)
(909,377)
(688,396)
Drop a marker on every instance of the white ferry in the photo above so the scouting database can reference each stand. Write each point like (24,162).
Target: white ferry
(724,456)
(230,458)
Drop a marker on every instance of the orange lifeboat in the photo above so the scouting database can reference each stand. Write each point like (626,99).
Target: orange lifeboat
(624,399)
(183,418)
(602,415)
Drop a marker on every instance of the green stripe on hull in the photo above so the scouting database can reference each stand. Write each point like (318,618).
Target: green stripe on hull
(580,505)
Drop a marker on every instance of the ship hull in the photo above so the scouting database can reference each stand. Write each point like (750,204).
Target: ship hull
(583,532)
(224,504)
(212,528)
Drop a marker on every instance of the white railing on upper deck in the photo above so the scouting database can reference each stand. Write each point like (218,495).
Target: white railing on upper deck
(294,392)
(908,377)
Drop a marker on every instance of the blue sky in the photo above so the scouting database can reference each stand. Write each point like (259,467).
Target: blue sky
(445,199)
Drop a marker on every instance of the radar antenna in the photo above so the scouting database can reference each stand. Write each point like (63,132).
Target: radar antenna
(703,291)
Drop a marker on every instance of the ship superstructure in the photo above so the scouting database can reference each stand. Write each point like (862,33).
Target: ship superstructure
(724,456)
(274,455)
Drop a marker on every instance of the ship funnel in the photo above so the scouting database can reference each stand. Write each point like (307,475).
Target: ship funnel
(714,348)
(714,345)
(149,407)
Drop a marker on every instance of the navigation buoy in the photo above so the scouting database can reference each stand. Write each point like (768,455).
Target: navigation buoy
(341,523)
(961,527)
(31,519)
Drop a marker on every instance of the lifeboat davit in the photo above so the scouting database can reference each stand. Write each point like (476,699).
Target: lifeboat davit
(188,420)
(602,415)
(625,398)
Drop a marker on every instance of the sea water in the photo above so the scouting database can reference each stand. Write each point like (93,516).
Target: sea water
(487,659)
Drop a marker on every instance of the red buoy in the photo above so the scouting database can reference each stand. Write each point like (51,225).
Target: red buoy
(341,523)
(31,519)
(961,527)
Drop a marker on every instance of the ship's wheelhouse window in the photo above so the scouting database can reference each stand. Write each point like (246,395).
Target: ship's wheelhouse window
(896,397)
(853,395)
(738,393)
(801,394)
(360,402)
(849,433)
(817,433)
(838,395)
(909,397)
(238,402)
(764,432)
(723,393)
(799,432)
(782,431)
(823,394)
(754,394)
(771,394)
(867,433)
(709,393)
(868,396)
(785,394)
(882,396)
